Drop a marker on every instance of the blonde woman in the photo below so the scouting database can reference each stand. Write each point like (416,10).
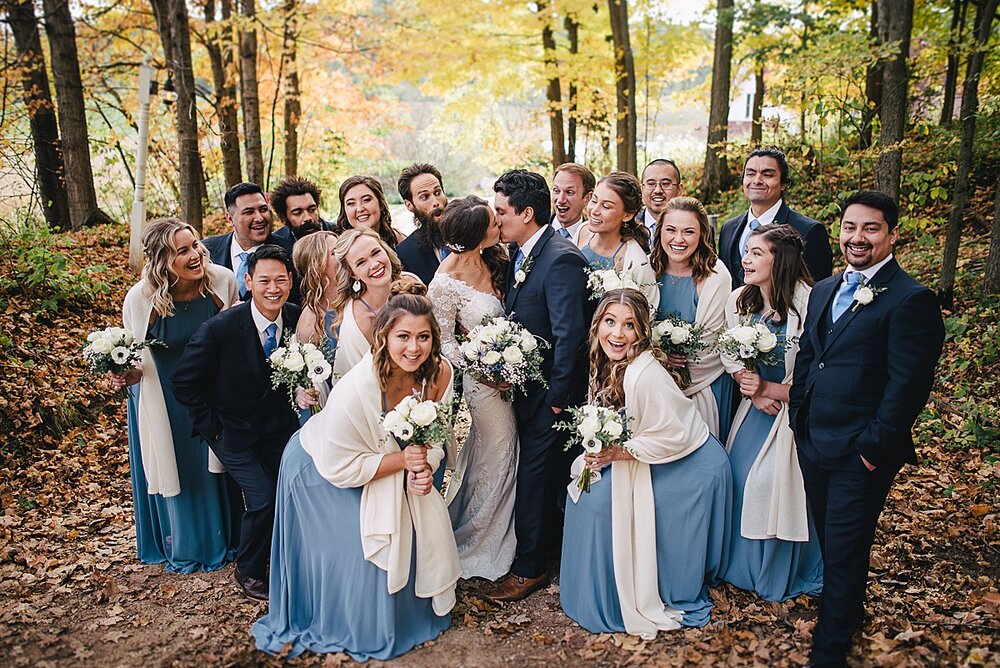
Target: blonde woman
(315,261)
(183,515)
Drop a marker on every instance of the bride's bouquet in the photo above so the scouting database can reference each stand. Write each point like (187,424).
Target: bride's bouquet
(418,422)
(752,343)
(595,428)
(114,350)
(298,365)
(502,351)
(678,337)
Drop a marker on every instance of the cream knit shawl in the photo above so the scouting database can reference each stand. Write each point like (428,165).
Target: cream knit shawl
(636,262)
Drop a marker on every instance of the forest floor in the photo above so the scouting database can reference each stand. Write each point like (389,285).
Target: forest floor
(73,593)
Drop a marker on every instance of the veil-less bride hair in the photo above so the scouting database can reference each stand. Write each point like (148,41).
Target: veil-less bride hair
(464,226)
(408,297)
(160,248)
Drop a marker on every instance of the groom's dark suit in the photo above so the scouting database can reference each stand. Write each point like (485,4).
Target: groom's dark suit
(553,304)
(859,384)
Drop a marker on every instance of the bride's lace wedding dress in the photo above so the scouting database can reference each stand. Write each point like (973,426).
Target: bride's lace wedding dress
(481,492)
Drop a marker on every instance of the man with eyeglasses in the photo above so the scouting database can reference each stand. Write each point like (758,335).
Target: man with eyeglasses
(661,182)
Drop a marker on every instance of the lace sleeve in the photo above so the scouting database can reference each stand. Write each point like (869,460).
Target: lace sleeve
(445,297)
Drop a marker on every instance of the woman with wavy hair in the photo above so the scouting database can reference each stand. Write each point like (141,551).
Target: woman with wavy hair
(363,206)
(774,550)
(364,560)
(642,547)
(315,261)
(183,514)
(694,285)
(466,290)
(613,238)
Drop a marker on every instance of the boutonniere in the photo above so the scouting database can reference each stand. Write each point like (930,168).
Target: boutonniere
(521,275)
(865,294)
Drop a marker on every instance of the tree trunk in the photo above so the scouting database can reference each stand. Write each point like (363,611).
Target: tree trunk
(873,86)
(219,44)
(553,90)
(958,12)
(625,133)
(716,169)
(172,23)
(895,23)
(248,91)
(80,191)
(969,111)
(573,32)
(293,107)
(992,279)
(757,124)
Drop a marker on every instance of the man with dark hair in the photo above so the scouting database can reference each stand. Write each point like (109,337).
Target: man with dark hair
(248,212)
(547,294)
(223,380)
(865,368)
(765,179)
(296,201)
(572,186)
(661,182)
(422,190)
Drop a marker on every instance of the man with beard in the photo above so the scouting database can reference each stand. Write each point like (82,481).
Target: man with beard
(250,216)
(296,201)
(422,191)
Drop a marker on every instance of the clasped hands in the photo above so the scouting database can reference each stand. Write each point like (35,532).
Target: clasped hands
(754,387)
(420,477)
(595,461)
(126,378)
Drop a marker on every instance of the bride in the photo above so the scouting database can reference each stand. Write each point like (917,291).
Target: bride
(466,289)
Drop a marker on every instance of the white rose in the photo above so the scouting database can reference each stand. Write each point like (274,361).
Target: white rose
(391,422)
(405,406)
(864,295)
(294,361)
(313,356)
(278,354)
(528,342)
(513,355)
(102,346)
(424,413)
(613,428)
(128,337)
(590,411)
(767,342)
(744,335)
(661,329)
(592,445)
(520,276)
(492,357)
(93,336)
(589,427)
(470,350)
(679,335)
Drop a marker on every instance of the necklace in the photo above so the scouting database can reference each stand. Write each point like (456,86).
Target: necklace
(365,304)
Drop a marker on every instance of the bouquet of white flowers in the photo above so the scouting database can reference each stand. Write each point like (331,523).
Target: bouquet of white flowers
(114,350)
(502,351)
(298,365)
(752,344)
(418,422)
(678,337)
(595,428)
(600,281)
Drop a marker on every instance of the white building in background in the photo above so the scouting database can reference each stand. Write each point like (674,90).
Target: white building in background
(741,111)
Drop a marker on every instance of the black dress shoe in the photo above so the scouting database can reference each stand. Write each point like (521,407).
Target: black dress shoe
(252,587)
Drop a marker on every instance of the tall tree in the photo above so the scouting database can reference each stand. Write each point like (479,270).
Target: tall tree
(873,85)
(83,209)
(573,33)
(221,54)
(895,24)
(553,89)
(249,93)
(757,115)
(41,113)
(175,33)
(716,169)
(991,280)
(293,107)
(970,109)
(955,35)
(625,134)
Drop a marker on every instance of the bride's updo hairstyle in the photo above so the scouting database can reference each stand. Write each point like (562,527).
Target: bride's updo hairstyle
(464,225)
(408,296)
(606,376)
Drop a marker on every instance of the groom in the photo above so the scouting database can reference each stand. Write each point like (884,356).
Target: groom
(547,294)
(864,371)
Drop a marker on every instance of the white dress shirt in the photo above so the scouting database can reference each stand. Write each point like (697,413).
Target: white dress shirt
(530,243)
(870,272)
(234,255)
(574,229)
(261,322)
(765,218)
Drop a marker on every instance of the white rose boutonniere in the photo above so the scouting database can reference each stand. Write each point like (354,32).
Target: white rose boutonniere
(864,295)
(521,275)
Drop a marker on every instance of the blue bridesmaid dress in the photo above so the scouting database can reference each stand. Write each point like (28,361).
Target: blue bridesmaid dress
(776,569)
(325,597)
(600,262)
(329,349)
(692,501)
(196,530)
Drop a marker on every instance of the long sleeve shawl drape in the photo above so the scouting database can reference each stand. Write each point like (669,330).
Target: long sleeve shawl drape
(711,313)
(636,262)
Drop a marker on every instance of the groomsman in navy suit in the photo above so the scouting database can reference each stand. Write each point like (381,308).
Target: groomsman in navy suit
(224,381)
(422,191)
(765,179)
(249,213)
(863,373)
(547,294)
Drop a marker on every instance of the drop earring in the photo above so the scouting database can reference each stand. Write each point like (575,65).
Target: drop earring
(357,285)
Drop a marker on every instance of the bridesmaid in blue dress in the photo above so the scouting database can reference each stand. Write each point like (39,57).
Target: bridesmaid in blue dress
(775,551)
(184,516)
(672,479)
(694,285)
(316,263)
(346,490)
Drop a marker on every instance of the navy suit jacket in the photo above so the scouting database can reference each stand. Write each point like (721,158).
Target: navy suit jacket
(218,250)
(285,232)
(554,304)
(860,383)
(225,383)
(818,255)
(417,256)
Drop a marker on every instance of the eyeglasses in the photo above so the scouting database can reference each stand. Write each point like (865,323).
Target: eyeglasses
(665,184)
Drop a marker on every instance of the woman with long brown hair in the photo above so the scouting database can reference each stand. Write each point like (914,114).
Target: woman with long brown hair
(363,206)
(671,478)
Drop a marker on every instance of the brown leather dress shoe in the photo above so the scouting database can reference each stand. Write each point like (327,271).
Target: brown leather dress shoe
(251,587)
(514,587)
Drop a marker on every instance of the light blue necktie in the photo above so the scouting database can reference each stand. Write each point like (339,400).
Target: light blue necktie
(564,233)
(241,273)
(754,224)
(518,261)
(846,294)
(271,340)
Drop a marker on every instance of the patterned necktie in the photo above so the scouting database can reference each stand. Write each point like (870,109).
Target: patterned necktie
(754,224)
(241,273)
(564,233)
(271,340)
(846,294)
